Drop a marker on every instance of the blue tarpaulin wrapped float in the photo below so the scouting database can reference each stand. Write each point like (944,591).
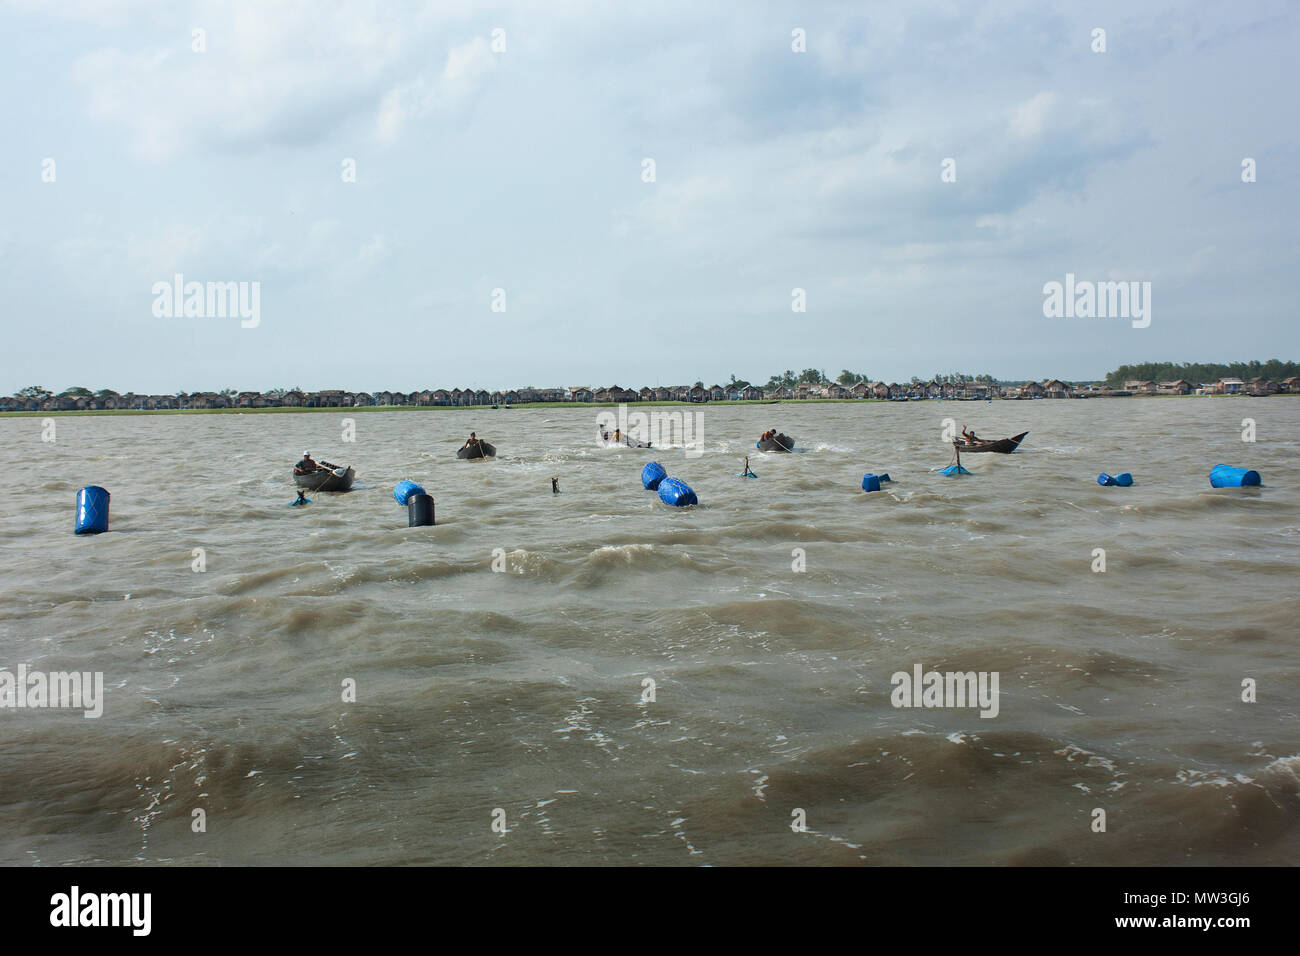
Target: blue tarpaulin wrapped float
(674,491)
(1123,479)
(652,474)
(403,490)
(1226,476)
(92,510)
(954,470)
(870,482)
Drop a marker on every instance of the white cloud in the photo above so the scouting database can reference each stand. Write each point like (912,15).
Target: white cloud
(1030,117)
(272,74)
(464,68)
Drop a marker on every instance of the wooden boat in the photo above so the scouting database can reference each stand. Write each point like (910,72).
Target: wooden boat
(608,439)
(323,479)
(782,442)
(482,450)
(1003,445)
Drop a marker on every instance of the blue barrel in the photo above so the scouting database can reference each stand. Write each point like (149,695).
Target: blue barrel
(652,474)
(403,491)
(674,491)
(870,482)
(92,510)
(1226,476)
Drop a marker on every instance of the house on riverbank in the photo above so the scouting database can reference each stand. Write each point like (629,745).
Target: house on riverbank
(956,389)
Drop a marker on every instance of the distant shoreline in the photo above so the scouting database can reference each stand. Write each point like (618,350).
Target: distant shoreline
(296,409)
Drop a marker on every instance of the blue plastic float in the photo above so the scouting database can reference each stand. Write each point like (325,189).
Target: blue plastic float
(954,470)
(870,482)
(1123,479)
(92,510)
(403,490)
(652,474)
(674,491)
(1226,476)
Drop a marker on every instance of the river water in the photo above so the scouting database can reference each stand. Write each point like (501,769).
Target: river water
(525,691)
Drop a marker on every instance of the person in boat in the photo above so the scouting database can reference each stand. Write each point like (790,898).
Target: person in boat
(305,466)
(768,435)
(472,441)
(969,436)
(618,434)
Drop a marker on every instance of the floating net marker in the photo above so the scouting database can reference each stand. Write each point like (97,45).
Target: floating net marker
(957,469)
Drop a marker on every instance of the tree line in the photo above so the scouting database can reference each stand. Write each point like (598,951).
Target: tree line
(1201,372)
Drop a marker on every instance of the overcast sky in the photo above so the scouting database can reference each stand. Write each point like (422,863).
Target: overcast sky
(521,169)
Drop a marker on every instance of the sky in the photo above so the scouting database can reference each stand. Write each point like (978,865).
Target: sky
(919,170)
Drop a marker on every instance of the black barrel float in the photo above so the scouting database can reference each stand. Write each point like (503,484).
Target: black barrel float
(419,510)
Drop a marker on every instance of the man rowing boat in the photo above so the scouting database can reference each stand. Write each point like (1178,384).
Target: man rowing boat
(305,466)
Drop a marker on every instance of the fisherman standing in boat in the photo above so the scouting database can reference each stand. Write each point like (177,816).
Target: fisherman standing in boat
(305,466)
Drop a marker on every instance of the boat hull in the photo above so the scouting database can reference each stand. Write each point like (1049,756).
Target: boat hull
(781,442)
(482,450)
(322,479)
(1003,446)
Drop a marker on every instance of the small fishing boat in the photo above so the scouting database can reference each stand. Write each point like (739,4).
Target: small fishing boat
(609,441)
(332,478)
(1002,445)
(782,442)
(483,449)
